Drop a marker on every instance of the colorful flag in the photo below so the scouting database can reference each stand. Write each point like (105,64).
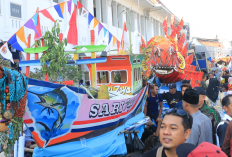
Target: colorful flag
(14,43)
(90,18)
(38,28)
(181,41)
(62,7)
(105,31)
(79,5)
(69,3)
(35,19)
(114,40)
(173,22)
(30,24)
(125,39)
(118,45)
(165,25)
(21,35)
(95,22)
(5,52)
(58,10)
(110,37)
(72,33)
(47,14)
(84,12)
(99,28)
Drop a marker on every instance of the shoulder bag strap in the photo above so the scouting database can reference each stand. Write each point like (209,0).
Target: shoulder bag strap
(159,152)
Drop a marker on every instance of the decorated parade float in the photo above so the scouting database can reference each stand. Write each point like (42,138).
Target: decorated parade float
(68,121)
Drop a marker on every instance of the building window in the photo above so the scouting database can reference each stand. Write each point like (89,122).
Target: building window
(56,1)
(135,74)
(138,23)
(103,11)
(119,76)
(103,77)
(139,73)
(19,24)
(13,23)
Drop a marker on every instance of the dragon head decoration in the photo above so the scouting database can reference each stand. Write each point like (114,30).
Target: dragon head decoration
(167,57)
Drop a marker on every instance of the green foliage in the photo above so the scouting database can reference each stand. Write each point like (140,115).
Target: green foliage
(117,77)
(55,54)
(71,72)
(5,63)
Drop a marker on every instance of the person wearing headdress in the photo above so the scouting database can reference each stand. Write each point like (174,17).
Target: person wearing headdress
(202,126)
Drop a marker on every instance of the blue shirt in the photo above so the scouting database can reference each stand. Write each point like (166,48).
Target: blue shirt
(179,105)
(153,103)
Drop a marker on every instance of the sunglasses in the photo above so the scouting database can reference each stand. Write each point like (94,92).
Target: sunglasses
(179,112)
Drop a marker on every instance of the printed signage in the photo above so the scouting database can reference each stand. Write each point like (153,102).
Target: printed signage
(15,10)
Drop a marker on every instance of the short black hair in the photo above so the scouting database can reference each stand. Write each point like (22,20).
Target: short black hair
(225,85)
(153,86)
(87,83)
(187,120)
(211,73)
(204,76)
(226,100)
(186,85)
(81,81)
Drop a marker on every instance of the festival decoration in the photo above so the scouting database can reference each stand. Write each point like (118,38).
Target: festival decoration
(168,59)
(13,88)
(5,52)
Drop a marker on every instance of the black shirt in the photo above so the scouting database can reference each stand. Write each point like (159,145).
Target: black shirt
(172,99)
(226,78)
(153,152)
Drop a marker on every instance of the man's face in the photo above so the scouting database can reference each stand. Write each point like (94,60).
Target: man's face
(183,90)
(155,90)
(229,108)
(216,71)
(172,90)
(172,132)
(224,89)
(201,99)
(210,76)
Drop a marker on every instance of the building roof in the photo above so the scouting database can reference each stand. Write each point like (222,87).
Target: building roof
(210,42)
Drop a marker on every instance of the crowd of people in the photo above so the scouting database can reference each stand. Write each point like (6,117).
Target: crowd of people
(198,121)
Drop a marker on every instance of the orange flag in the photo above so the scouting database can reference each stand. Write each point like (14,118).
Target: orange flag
(179,27)
(95,22)
(114,40)
(21,35)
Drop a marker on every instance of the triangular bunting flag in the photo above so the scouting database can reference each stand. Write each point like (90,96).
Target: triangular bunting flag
(165,25)
(99,28)
(14,43)
(38,28)
(62,7)
(114,40)
(90,18)
(58,10)
(74,1)
(118,45)
(5,52)
(79,5)
(35,19)
(21,35)
(105,31)
(72,33)
(69,3)
(84,12)
(110,37)
(30,25)
(47,14)
(95,22)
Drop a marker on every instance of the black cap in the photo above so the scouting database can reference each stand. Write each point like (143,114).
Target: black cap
(200,90)
(172,85)
(227,71)
(184,149)
(191,96)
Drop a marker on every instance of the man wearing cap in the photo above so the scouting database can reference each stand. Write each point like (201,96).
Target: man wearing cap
(208,111)
(172,96)
(202,127)
(226,76)
(183,89)
(205,149)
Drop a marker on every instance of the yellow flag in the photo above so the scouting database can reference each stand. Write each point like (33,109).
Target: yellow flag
(21,35)
(114,40)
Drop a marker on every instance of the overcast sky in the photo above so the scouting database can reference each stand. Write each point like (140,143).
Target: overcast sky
(207,18)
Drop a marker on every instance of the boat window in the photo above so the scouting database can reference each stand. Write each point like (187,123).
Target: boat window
(135,74)
(203,55)
(134,61)
(139,73)
(103,77)
(119,76)
(138,60)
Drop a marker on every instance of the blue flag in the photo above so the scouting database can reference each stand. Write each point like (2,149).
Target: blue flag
(105,31)
(90,18)
(110,37)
